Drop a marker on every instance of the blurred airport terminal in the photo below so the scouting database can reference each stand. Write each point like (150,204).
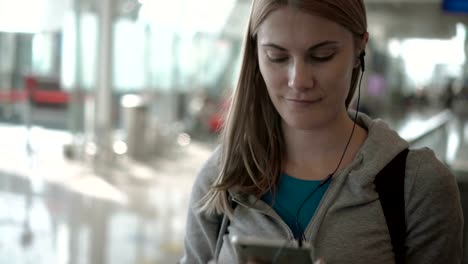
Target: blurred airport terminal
(108,108)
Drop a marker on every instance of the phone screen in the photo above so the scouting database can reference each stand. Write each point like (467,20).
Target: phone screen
(271,251)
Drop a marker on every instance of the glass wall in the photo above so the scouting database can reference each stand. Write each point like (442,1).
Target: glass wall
(417,51)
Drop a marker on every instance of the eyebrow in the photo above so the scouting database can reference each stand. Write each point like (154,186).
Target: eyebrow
(316,46)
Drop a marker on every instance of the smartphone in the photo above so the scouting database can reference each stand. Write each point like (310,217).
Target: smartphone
(271,251)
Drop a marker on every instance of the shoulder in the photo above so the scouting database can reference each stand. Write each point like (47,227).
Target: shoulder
(427,178)
(209,171)
(433,209)
(423,167)
(211,166)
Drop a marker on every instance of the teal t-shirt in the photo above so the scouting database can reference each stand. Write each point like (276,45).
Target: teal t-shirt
(291,194)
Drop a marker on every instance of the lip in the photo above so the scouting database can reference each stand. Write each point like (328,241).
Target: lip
(303,101)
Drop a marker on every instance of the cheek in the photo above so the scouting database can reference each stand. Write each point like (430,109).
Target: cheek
(273,76)
(337,75)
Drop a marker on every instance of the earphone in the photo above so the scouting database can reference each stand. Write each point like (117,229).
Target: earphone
(361,60)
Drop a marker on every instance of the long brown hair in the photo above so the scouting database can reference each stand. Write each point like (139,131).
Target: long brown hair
(252,139)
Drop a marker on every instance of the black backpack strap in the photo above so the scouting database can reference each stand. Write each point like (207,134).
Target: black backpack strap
(390,185)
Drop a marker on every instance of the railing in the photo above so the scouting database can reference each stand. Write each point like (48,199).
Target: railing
(419,130)
(433,133)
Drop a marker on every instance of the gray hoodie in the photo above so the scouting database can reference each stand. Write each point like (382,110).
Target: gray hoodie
(349,225)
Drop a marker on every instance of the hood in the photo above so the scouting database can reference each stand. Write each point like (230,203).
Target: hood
(381,146)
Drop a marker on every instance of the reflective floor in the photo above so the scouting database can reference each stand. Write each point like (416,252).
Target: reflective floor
(131,213)
(53,210)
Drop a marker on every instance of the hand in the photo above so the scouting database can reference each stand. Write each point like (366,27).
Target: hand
(320,261)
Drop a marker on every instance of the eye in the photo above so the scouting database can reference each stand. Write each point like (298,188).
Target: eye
(277,59)
(321,58)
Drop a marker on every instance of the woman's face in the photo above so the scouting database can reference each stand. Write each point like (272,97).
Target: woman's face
(307,63)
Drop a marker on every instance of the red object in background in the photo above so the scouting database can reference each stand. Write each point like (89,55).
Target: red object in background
(216,123)
(45,90)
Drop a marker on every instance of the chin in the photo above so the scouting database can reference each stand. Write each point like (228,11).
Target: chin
(306,123)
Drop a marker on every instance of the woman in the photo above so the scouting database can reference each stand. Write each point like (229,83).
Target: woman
(294,164)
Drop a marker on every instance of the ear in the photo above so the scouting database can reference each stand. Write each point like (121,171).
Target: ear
(363,42)
(361,47)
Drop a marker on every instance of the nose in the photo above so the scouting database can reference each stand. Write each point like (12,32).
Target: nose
(300,77)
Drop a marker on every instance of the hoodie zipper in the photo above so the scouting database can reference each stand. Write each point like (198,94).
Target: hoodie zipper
(318,213)
(274,216)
